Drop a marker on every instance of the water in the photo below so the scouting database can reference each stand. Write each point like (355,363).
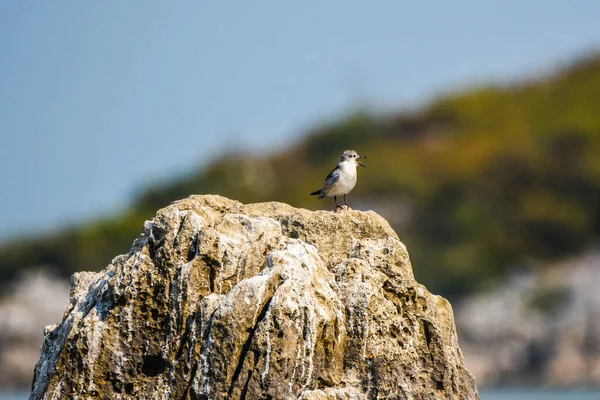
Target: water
(538,395)
(14,395)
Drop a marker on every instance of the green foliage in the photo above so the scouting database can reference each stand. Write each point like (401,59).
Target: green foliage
(473,184)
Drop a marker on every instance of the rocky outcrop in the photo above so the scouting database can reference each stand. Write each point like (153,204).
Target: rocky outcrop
(217,300)
(541,327)
(36,299)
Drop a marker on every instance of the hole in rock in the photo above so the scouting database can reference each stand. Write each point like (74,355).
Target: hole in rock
(154,365)
(121,301)
(128,388)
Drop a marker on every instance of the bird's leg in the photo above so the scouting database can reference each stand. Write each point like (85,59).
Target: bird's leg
(346,202)
(336,204)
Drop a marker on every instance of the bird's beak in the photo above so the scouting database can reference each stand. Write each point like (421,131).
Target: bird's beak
(360,163)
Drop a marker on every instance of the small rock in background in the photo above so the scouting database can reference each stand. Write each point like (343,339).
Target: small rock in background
(35,300)
(540,327)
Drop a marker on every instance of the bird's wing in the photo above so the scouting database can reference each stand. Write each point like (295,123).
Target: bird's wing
(331,178)
(334,173)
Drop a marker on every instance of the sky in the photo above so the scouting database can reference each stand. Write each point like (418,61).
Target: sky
(98,99)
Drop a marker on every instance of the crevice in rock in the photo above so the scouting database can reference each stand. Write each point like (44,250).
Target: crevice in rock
(246,346)
(250,371)
(428,330)
(185,337)
(213,267)
(106,303)
(156,240)
(151,247)
(181,223)
(195,396)
(193,252)
(188,393)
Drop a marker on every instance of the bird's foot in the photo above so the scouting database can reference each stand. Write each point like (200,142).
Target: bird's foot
(339,208)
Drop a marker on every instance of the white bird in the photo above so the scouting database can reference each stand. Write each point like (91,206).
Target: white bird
(342,179)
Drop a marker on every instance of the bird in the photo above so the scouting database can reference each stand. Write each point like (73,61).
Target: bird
(342,179)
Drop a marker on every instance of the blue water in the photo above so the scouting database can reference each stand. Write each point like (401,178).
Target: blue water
(485,395)
(538,395)
(14,395)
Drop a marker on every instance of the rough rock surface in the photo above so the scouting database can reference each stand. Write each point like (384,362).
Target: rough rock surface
(217,300)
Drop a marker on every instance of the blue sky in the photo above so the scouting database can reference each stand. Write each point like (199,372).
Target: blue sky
(100,98)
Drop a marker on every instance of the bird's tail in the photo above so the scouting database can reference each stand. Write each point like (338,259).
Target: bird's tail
(317,192)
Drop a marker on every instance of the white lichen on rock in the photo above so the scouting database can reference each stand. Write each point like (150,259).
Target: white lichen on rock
(217,300)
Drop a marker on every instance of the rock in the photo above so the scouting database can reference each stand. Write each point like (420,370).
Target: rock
(540,327)
(35,299)
(217,300)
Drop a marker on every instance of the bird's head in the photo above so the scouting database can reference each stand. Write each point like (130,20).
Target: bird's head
(351,155)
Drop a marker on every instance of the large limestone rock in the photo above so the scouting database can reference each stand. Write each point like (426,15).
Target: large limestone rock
(217,300)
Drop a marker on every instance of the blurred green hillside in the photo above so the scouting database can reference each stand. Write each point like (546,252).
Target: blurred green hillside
(474,184)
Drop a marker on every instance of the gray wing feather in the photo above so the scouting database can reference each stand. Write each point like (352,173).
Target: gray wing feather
(331,179)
